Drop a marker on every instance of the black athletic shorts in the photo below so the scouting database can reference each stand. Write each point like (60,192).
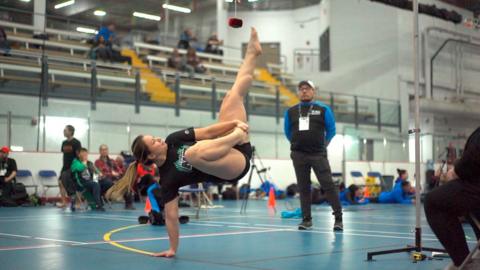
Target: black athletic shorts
(246,150)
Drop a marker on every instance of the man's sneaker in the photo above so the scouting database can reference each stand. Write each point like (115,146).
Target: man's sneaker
(305,225)
(129,207)
(100,209)
(338,226)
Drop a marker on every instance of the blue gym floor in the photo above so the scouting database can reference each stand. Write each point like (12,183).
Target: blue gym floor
(50,238)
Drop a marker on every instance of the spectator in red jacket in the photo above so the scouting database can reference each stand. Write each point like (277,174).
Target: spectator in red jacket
(107,166)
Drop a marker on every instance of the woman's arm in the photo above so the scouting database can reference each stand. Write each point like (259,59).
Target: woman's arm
(218,129)
(171,220)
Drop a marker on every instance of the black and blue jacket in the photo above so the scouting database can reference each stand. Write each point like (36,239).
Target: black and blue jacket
(321,130)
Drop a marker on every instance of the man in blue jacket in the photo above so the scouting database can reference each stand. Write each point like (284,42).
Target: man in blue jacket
(310,126)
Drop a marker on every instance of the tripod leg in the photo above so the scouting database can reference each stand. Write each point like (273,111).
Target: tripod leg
(245,200)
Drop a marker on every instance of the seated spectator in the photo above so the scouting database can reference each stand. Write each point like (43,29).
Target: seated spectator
(401,193)
(107,168)
(194,64)
(185,38)
(107,32)
(101,51)
(213,45)
(84,174)
(8,171)
(459,196)
(120,162)
(353,195)
(4,45)
(176,61)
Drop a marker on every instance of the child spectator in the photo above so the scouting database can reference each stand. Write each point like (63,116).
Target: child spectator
(84,174)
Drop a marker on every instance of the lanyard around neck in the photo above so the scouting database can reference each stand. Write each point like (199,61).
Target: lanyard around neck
(309,110)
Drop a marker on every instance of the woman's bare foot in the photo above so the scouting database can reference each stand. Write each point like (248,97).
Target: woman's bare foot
(243,137)
(254,46)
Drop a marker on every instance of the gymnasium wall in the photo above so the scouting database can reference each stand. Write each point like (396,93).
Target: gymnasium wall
(291,28)
(281,171)
(117,125)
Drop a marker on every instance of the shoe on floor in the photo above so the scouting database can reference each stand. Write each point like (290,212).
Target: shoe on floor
(100,209)
(338,226)
(306,224)
(129,207)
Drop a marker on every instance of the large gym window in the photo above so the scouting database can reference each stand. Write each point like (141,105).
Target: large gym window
(325,51)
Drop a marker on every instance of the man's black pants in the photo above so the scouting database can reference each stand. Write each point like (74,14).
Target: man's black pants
(443,207)
(6,187)
(303,164)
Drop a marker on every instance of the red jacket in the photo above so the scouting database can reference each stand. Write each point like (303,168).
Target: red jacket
(107,168)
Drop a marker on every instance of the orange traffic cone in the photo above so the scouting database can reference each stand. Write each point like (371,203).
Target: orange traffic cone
(271,199)
(148,206)
(366,193)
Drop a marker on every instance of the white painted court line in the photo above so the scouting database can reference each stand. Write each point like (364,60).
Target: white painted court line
(41,238)
(351,230)
(29,247)
(142,239)
(207,225)
(221,222)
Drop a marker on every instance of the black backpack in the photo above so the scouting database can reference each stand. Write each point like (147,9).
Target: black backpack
(292,190)
(229,194)
(19,193)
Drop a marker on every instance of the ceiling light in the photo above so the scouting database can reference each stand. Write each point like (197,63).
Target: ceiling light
(64,4)
(147,16)
(26,1)
(177,8)
(86,30)
(99,13)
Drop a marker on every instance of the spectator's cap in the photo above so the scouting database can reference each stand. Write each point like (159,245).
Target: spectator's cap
(5,149)
(306,82)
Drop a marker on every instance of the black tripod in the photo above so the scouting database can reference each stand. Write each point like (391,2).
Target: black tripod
(259,172)
(417,249)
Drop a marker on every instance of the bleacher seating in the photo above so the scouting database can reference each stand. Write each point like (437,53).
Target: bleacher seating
(70,67)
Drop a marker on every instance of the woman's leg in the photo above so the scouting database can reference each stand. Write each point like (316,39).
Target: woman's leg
(217,157)
(232,107)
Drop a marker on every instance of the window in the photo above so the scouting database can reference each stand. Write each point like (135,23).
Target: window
(325,51)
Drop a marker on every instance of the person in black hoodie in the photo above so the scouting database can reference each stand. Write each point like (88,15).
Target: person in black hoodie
(459,197)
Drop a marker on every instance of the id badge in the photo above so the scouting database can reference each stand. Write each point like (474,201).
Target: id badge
(304,124)
(3,172)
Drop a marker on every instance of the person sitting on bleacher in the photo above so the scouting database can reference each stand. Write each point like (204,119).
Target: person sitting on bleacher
(185,38)
(176,61)
(107,32)
(8,171)
(401,194)
(101,51)
(84,174)
(213,45)
(4,45)
(194,64)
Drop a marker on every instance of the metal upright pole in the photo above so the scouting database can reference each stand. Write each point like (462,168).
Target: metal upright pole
(416,76)
(417,247)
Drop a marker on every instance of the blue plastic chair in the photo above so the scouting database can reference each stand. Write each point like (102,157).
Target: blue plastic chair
(26,178)
(48,179)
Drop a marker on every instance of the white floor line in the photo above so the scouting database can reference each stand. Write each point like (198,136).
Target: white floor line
(41,238)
